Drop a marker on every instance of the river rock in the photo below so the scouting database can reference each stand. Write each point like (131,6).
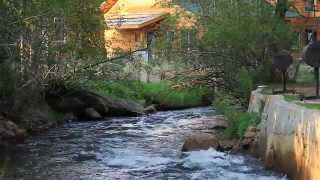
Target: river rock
(228,144)
(209,123)
(200,141)
(78,102)
(150,109)
(9,131)
(91,113)
(251,132)
(249,138)
(122,107)
(69,117)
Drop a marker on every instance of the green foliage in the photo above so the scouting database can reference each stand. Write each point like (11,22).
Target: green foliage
(245,84)
(122,89)
(310,105)
(237,119)
(291,98)
(240,35)
(7,81)
(282,6)
(163,93)
(160,93)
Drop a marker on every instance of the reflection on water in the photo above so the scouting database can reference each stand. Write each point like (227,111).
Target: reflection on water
(145,147)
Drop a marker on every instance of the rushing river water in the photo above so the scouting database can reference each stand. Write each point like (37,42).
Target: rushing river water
(147,147)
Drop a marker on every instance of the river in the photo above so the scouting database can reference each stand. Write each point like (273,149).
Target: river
(147,147)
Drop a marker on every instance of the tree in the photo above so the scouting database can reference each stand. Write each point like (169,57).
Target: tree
(235,35)
(282,6)
(42,40)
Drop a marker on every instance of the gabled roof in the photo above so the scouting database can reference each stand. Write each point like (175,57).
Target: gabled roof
(134,20)
(107,5)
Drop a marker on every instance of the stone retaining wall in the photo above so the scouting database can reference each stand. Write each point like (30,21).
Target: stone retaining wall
(289,140)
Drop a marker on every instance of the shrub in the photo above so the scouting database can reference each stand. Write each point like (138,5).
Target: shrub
(237,119)
(244,85)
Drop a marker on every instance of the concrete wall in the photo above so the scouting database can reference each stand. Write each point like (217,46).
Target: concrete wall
(289,140)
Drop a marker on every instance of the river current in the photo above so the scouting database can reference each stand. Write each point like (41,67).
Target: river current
(146,147)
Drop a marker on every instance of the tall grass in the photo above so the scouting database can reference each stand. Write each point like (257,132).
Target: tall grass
(161,93)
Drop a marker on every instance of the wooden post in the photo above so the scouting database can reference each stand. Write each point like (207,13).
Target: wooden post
(284,78)
(317,80)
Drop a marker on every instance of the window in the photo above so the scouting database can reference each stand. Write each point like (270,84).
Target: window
(309,5)
(310,35)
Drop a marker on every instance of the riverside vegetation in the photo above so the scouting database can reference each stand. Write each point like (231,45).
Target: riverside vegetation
(163,94)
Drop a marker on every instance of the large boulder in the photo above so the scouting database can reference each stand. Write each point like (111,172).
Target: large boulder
(86,104)
(10,132)
(150,109)
(122,107)
(91,113)
(200,141)
(209,123)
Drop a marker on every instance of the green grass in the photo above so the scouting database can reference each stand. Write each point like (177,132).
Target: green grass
(121,89)
(310,105)
(291,98)
(159,93)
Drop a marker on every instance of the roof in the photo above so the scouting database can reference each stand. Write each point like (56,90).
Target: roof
(107,5)
(292,13)
(134,20)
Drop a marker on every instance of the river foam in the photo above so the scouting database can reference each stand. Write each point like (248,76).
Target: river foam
(147,147)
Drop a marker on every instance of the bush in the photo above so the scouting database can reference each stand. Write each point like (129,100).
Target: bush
(244,85)
(237,119)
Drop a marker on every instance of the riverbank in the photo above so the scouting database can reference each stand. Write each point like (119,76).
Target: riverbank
(289,135)
(96,100)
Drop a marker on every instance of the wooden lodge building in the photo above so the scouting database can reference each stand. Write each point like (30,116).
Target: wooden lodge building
(131,23)
(304,16)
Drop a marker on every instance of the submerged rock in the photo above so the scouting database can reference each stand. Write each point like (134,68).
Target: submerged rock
(84,156)
(200,141)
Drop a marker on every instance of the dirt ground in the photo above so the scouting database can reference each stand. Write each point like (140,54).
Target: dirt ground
(303,89)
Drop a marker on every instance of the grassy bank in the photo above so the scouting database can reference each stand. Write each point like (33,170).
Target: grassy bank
(162,93)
